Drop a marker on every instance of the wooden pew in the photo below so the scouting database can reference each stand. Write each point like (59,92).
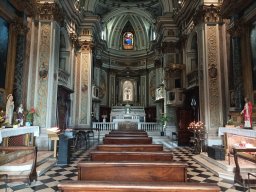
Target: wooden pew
(127,140)
(131,156)
(132,171)
(125,135)
(99,186)
(128,132)
(130,147)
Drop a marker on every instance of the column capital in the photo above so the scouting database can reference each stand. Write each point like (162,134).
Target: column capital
(86,45)
(19,26)
(208,14)
(50,12)
(235,28)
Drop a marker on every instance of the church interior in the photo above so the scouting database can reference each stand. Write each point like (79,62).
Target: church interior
(128,95)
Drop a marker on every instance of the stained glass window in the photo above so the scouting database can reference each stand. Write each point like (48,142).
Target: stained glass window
(128,40)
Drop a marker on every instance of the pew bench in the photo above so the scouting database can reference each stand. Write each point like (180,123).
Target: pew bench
(132,171)
(18,164)
(128,132)
(131,156)
(130,147)
(127,140)
(246,179)
(125,135)
(99,186)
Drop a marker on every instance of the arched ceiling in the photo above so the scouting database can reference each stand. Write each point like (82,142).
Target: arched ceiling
(115,14)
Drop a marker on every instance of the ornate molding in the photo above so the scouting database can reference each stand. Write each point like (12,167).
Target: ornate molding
(207,14)
(174,67)
(235,28)
(49,11)
(86,46)
(28,6)
(19,26)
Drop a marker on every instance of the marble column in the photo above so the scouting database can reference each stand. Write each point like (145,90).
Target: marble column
(19,64)
(234,31)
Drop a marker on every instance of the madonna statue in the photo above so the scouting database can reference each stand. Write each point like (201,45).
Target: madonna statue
(9,109)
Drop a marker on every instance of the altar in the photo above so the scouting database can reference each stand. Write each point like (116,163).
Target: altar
(128,112)
(27,134)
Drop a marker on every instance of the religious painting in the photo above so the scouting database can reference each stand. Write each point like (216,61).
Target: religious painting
(128,40)
(4,38)
(128,91)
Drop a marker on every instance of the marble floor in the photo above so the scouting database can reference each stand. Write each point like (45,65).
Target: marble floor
(196,173)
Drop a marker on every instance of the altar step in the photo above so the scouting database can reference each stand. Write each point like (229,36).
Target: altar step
(45,161)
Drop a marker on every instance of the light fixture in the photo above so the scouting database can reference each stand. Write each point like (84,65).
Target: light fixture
(179,2)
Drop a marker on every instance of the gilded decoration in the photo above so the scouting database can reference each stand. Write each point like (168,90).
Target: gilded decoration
(50,11)
(44,54)
(103,86)
(20,27)
(84,86)
(213,85)
(152,85)
(207,14)
(235,28)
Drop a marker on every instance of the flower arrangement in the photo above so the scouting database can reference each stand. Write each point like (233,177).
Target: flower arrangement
(30,115)
(196,126)
(2,118)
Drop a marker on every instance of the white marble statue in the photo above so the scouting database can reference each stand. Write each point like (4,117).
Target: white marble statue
(9,109)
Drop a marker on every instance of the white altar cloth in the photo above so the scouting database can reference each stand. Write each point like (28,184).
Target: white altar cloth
(9,132)
(237,131)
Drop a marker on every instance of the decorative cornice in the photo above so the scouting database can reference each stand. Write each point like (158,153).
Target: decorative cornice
(174,67)
(28,6)
(49,11)
(207,14)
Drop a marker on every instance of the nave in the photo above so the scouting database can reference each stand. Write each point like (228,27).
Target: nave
(196,173)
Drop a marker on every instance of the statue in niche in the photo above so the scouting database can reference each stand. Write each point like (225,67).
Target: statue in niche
(20,115)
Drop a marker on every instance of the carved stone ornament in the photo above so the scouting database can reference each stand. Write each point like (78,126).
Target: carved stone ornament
(207,14)
(50,11)
(84,88)
(213,71)
(43,71)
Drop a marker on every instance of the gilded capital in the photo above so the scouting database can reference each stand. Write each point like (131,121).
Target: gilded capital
(207,14)
(86,45)
(49,11)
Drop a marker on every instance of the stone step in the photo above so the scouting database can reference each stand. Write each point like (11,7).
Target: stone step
(45,161)
(229,175)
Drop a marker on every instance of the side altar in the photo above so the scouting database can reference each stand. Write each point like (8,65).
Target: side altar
(127,113)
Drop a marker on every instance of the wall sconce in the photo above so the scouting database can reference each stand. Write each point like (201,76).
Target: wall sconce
(43,71)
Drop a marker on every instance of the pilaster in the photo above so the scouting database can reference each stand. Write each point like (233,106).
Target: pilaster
(83,84)
(43,69)
(208,27)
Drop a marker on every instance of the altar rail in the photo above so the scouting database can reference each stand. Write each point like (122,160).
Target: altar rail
(108,126)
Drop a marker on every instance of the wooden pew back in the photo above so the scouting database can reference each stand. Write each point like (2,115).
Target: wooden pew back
(132,171)
(99,186)
(127,140)
(131,156)
(125,135)
(130,147)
